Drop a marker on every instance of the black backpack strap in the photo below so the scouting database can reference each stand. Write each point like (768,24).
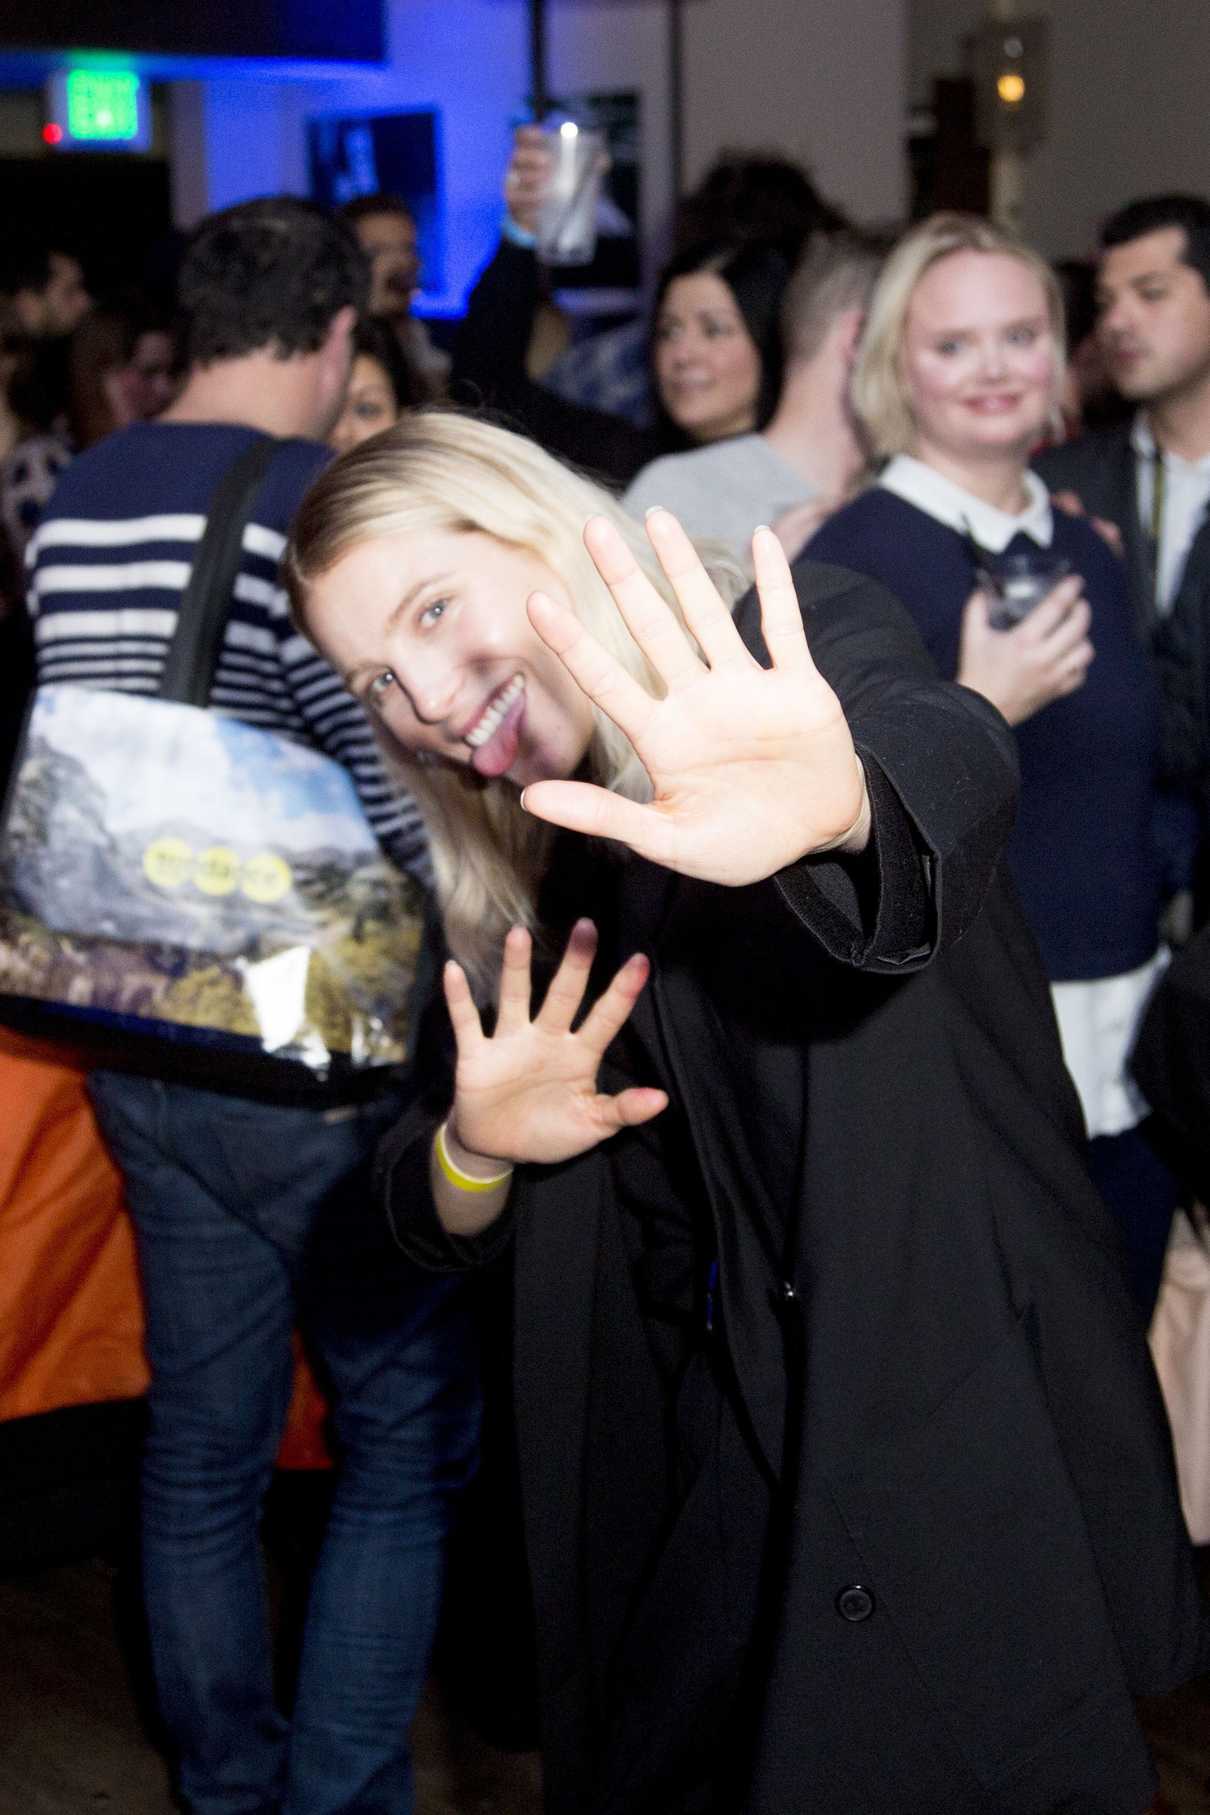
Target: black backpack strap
(206,601)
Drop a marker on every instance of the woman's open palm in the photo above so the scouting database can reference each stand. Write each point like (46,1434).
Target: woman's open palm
(528,1091)
(751,768)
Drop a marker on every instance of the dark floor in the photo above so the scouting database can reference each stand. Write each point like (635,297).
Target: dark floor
(72,1741)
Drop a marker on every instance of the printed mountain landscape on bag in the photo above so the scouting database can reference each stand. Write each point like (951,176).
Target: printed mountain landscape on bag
(213,873)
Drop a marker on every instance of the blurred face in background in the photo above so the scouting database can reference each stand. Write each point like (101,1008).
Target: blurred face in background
(707,366)
(978,361)
(1154,317)
(370,405)
(65,300)
(149,382)
(389,242)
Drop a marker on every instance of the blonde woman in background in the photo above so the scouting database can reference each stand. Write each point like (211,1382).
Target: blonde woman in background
(959,372)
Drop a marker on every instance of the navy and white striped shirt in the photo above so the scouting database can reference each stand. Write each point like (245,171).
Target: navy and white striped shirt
(111,558)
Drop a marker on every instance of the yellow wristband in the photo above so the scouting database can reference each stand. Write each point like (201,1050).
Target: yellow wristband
(462,1181)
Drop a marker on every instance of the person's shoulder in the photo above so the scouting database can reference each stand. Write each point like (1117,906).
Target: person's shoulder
(1062,467)
(692,462)
(297,464)
(1079,541)
(871,515)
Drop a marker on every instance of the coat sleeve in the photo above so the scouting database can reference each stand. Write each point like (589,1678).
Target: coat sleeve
(941,767)
(489,369)
(1180,654)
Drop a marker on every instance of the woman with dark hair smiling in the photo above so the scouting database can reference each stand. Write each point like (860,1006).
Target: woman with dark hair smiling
(382,385)
(715,350)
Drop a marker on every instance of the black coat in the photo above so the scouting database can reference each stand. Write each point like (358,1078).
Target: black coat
(937,1411)
(1102,470)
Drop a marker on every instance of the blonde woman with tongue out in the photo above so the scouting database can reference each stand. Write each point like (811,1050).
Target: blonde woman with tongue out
(845,1481)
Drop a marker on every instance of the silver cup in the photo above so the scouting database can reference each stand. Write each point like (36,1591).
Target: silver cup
(567,225)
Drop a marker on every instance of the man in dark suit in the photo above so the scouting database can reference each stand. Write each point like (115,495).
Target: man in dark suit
(1151,477)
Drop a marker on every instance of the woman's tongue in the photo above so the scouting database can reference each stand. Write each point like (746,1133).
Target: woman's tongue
(499,753)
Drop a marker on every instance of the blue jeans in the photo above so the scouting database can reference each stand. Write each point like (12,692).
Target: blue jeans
(251,1218)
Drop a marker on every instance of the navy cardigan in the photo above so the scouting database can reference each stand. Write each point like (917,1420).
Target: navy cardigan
(1083,852)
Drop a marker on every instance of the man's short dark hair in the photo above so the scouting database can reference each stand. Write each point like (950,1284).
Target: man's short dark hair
(1152,213)
(267,274)
(381,202)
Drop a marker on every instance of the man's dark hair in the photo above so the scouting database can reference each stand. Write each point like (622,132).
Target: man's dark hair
(381,202)
(755,195)
(267,274)
(1152,213)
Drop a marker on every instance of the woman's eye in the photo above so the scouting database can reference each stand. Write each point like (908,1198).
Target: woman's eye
(431,613)
(1024,336)
(379,687)
(369,412)
(947,347)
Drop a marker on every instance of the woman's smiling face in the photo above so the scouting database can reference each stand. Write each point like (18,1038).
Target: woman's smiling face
(978,359)
(429,629)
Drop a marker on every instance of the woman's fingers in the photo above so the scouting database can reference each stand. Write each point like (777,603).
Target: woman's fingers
(612,1008)
(1047,615)
(464,1016)
(593,669)
(567,987)
(648,617)
(630,1108)
(696,594)
(580,806)
(515,982)
(780,612)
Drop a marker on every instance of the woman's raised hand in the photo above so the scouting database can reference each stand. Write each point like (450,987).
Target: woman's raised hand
(528,1091)
(1041,659)
(751,768)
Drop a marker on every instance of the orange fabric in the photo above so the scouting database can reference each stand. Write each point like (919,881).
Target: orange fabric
(71,1321)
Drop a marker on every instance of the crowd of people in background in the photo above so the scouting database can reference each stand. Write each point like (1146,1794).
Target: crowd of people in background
(1020,456)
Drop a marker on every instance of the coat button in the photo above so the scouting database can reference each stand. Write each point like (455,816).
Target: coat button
(854,1603)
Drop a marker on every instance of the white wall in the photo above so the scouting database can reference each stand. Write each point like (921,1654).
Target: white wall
(1128,93)
(803,77)
(820,80)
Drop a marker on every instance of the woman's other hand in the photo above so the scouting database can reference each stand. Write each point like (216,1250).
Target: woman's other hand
(1041,659)
(751,768)
(528,1091)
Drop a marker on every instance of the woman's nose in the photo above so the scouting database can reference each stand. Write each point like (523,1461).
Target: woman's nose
(992,357)
(432,690)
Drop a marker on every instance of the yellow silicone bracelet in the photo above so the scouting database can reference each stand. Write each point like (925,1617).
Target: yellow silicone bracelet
(462,1181)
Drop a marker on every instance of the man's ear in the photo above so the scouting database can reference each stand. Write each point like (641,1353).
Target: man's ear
(340,331)
(849,324)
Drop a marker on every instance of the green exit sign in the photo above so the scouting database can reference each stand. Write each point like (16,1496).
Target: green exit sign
(102,105)
(97,110)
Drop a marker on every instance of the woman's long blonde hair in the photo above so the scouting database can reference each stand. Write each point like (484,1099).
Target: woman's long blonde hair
(437,470)
(879,394)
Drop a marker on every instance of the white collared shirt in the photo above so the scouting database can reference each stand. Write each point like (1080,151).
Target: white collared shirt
(1186,496)
(1098,1020)
(951,504)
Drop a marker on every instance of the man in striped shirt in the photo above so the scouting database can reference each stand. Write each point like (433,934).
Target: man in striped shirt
(252,1213)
